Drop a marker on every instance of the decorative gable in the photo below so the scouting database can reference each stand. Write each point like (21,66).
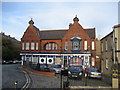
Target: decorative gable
(31,33)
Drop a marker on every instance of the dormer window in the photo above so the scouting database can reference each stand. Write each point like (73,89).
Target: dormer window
(76,44)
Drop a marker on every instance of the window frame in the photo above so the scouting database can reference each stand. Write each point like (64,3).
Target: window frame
(32,46)
(36,46)
(27,46)
(66,45)
(85,45)
(23,46)
(93,45)
(106,63)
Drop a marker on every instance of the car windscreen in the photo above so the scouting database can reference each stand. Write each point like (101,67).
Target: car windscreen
(43,66)
(57,66)
(94,70)
(75,68)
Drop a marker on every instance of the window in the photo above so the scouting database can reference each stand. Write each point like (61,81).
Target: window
(106,47)
(93,61)
(54,46)
(48,46)
(75,45)
(66,45)
(37,46)
(51,46)
(106,64)
(102,46)
(23,47)
(85,45)
(27,46)
(93,45)
(32,46)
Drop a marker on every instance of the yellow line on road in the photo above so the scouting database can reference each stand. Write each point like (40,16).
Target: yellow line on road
(93,87)
(27,82)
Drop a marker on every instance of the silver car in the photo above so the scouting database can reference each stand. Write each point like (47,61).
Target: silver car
(56,68)
(94,73)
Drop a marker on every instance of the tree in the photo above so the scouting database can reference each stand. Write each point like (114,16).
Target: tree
(10,49)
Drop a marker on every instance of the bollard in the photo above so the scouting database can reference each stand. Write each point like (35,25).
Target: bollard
(115,78)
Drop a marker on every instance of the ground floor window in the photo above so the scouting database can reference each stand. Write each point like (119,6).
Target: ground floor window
(93,61)
(106,63)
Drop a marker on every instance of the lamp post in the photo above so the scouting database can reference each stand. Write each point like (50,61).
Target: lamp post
(86,74)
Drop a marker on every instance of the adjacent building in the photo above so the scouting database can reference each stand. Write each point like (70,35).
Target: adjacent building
(110,50)
(72,46)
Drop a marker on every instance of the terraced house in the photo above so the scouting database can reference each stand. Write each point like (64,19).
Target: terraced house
(72,46)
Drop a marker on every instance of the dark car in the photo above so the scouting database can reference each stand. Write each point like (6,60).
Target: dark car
(75,71)
(94,73)
(44,67)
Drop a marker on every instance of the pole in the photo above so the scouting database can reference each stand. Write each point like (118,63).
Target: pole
(85,77)
(61,82)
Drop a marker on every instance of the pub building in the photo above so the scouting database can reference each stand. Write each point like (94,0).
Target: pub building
(73,46)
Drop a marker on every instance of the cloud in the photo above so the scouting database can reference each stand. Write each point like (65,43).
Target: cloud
(102,16)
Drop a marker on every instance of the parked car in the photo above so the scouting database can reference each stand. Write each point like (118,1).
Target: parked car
(94,73)
(44,67)
(75,71)
(56,68)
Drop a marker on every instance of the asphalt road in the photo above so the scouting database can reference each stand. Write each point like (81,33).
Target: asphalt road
(42,81)
(10,74)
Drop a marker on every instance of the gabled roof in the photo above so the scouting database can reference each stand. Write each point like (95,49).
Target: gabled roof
(52,34)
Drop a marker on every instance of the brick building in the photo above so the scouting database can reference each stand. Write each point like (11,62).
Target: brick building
(73,46)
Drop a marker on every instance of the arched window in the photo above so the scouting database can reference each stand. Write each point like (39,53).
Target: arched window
(50,46)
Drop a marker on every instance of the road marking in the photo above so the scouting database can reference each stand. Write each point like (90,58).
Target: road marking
(26,85)
(76,87)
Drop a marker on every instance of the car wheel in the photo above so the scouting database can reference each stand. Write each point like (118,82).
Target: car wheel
(100,78)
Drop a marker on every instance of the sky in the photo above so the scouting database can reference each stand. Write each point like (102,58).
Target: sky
(58,15)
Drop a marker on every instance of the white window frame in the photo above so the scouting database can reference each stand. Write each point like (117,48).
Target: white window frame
(93,45)
(32,46)
(27,45)
(85,45)
(93,61)
(36,45)
(23,45)
(66,45)
(106,63)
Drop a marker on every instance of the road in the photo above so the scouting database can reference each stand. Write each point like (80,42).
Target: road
(42,81)
(10,74)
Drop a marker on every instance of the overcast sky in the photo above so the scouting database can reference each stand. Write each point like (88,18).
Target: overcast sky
(57,15)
